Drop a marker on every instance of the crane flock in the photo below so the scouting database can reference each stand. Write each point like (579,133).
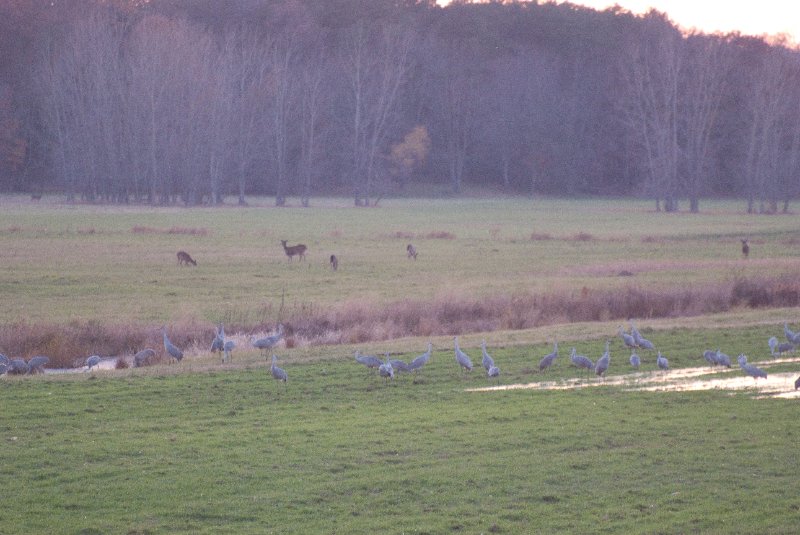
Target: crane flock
(388,367)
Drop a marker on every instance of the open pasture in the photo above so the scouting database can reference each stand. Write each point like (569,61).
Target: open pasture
(226,449)
(117,265)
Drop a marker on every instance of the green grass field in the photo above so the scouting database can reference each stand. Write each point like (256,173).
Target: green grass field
(200,447)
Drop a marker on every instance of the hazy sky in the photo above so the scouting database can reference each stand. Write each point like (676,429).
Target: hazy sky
(752,17)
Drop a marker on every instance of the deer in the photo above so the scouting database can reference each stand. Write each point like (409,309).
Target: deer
(745,248)
(185,259)
(36,196)
(411,251)
(334,262)
(299,250)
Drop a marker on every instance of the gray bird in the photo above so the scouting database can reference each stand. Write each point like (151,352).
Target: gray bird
(227,347)
(627,339)
(370,361)
(17,367)
(640,340)
(462,358)
(662,362)
(779,348)
(635,361)
(4,359)
(278,373)
(493,371)
(711,357)
(93,361)
(400,366)
(751,370)
(386,370)
(548,359)
(603,362)
(142,358)
(797,383)
(218,344)
(3,368)
(487,360)
(268,342)
(581,361)
(791,336)
(37,364)
(723,359)
(170,348)
(421,360)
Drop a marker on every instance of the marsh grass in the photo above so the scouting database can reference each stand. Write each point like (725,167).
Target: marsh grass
(229,450)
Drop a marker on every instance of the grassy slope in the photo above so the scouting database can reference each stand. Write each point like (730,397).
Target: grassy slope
(336,451)
(63,263)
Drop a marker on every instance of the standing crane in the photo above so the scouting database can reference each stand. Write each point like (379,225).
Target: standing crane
(548,359)
(170,348)
(462,358)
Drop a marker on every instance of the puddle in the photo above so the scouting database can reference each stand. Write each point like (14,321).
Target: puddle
(776,385)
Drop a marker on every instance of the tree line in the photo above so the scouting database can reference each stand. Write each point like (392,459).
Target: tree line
(167,101)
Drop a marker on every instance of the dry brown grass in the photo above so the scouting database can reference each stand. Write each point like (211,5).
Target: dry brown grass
(359,321)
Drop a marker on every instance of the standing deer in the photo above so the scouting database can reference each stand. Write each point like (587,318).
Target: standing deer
(299,250)
(411,251)
(334,262)
(745,248)
(185,259)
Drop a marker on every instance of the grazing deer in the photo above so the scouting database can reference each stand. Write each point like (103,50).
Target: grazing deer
(184,258)
(36,196)
(299,250)
(334,262)
(745,248)
(412,251)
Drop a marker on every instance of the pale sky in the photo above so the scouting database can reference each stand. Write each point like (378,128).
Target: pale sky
(751,17)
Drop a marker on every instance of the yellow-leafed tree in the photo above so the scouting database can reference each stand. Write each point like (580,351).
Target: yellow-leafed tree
(409,154)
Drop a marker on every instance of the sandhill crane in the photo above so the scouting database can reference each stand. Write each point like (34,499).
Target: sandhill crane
(662,362)
(640,340)
(386,370)
(635,361)
(218,344)
(723,359)
(91,362)
(797,383)
(4,359)
(269,341)
(421,360)
(548,359)
(3,368)
(711,357)
(745,248)
(493,371)
(400,366)
(487,360)
(779,347)
(142,358)
(37,364)
(791,336)
(170,348)
(462,358)
(749,369)
(17,367)
(627,339)
(603,362)
(227,348)
(278,374)
(370,361)
(581,361)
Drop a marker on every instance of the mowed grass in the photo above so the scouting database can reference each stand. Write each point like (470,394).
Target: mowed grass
(64,263)
(229,450)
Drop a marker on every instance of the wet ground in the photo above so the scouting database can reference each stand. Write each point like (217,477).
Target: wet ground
(776,385)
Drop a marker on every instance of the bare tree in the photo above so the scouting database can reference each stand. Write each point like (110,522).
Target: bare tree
(377,63)
(651,105)
(706,66)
